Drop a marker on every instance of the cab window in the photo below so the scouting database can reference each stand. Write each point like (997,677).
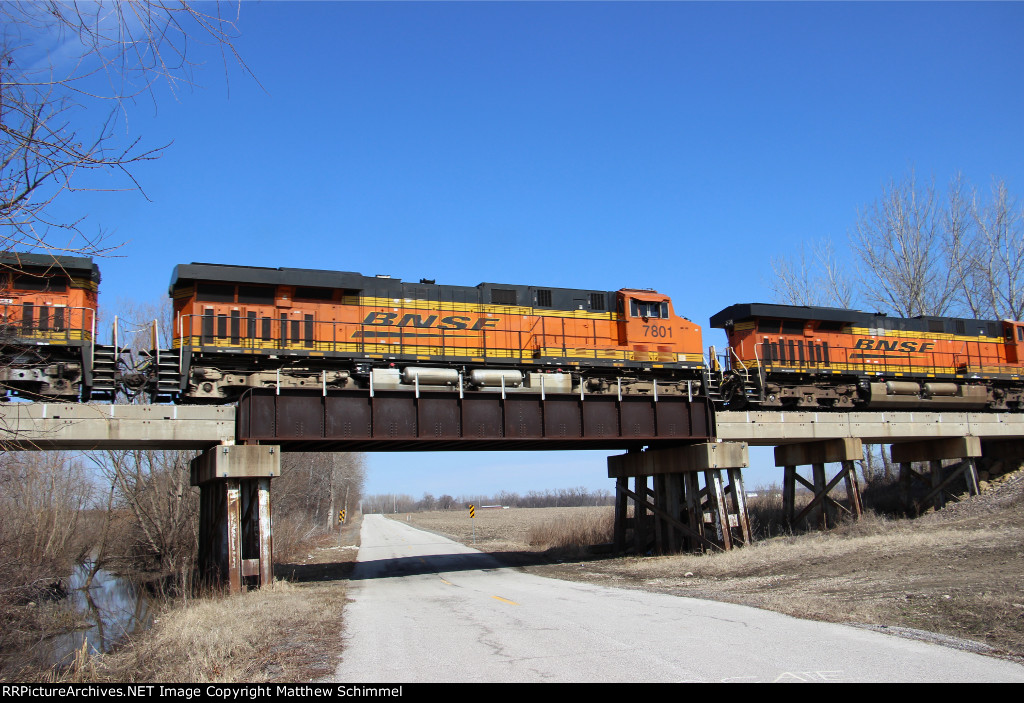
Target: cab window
(643,308)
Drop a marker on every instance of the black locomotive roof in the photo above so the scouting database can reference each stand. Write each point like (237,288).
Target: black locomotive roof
(923,323)
(266,276)
(49,263)
(387,287)
(752,311)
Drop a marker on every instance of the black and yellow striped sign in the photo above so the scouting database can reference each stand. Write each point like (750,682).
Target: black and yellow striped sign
(472,511)
(341,517)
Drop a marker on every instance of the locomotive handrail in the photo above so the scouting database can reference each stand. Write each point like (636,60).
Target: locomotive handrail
(181,341)
(742,365)
(64,326)
(760,369)
(220,330)
(92,347)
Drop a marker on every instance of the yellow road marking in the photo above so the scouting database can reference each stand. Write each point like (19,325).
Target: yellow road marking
(447,582)
(504,600)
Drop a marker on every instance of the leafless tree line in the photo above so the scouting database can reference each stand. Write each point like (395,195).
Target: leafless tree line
(314,486)
(137,509)
(918,250)
(560,498)
(44,501)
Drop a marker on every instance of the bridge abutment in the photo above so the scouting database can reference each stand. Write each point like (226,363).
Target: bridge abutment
(671,511)
(235,534)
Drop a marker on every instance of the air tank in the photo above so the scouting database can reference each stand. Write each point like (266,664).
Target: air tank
(482,378)
(934,389)
(429,376)
(901,388)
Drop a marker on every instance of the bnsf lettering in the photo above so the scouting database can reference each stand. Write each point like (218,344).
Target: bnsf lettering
(380,318)
(452,322)
(455,322)
(417,321)
(884,345)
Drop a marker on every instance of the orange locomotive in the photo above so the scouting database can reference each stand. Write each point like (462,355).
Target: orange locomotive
(815,357)
(242,327)
(47,328)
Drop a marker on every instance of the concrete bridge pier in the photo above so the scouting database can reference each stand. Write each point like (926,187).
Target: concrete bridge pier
(671,511)
(235,536)
(964,450)
(823,510)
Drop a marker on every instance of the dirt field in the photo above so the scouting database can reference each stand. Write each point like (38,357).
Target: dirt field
(957,572)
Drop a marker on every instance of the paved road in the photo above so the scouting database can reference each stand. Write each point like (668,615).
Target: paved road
(425,608)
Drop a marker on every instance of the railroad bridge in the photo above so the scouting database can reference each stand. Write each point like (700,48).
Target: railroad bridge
(676,450)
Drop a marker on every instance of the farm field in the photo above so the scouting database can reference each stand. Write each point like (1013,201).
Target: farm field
(952,575)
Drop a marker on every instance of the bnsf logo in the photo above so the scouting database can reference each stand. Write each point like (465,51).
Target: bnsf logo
(452,322)
(883,345)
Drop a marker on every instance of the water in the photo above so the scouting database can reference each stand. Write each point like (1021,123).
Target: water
(113,607)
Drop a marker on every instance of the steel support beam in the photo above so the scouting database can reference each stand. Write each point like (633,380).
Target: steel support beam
(444,421)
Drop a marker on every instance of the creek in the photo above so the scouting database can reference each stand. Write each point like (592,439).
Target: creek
(113,607)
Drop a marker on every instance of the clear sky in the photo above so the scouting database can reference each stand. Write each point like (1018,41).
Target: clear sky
(675,146)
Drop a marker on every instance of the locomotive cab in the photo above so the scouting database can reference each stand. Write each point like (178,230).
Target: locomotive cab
(1014,334)
(47,319)
(649,327)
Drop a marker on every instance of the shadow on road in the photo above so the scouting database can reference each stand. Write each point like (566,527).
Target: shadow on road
(415,565)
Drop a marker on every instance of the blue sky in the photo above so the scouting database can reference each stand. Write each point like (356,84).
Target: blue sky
(677,146)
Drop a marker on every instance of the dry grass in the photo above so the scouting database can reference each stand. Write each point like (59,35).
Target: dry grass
(518,529)
(574,529)
(287,632)
(248,637)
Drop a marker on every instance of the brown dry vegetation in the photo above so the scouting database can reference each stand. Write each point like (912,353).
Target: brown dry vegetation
(956,571)
(138,516)
(288,632)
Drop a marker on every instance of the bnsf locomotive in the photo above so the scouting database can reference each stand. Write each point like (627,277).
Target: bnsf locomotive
(813,357)
(238,328)
(243,327)
(48,329)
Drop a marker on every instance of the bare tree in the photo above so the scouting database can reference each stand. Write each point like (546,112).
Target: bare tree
(314,486)
(817,279)
(154,488)
(905,241)
(994,266)
(69,71)
(43,500)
